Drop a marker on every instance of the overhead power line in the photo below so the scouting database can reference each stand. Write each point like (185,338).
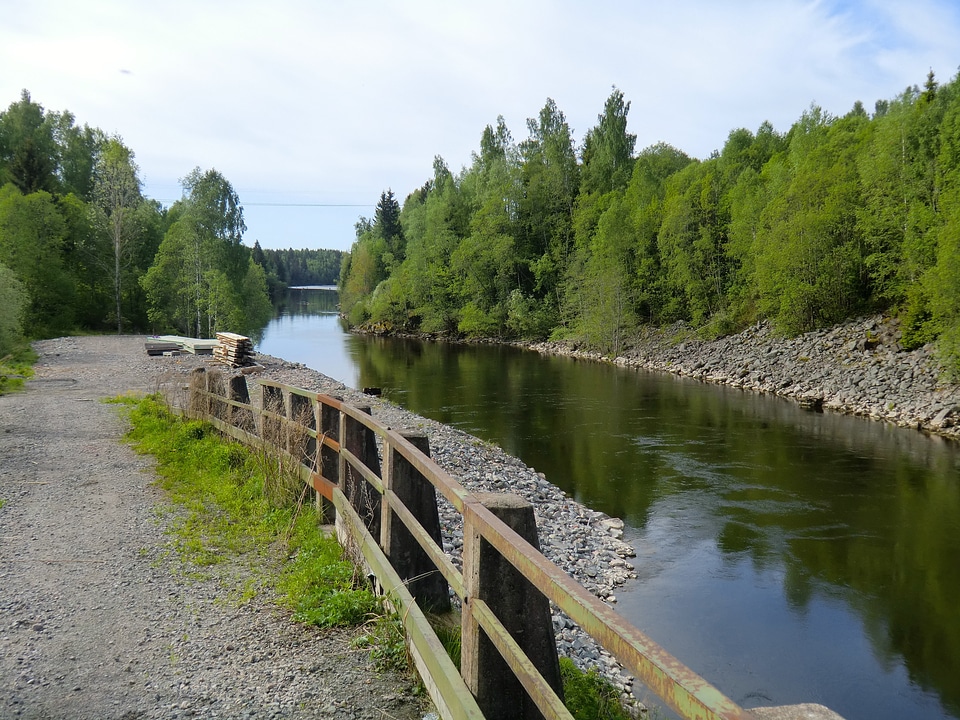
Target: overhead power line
(283,204)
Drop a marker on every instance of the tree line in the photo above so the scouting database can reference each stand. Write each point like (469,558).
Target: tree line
(82,248)
(286,268)
(839,216)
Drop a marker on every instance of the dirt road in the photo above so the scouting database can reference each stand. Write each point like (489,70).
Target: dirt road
(98,619)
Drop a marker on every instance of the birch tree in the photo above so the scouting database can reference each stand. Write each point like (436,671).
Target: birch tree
(117,196)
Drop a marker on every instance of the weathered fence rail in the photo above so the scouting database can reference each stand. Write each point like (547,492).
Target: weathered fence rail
(381,485)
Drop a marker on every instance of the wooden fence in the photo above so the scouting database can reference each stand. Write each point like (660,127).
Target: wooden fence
(384,497)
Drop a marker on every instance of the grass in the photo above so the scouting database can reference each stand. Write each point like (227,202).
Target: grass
(587,695)
(319,585)
(384,638)
(229,511)
(16,368)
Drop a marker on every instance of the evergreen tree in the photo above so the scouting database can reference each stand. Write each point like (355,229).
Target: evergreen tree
(387,224)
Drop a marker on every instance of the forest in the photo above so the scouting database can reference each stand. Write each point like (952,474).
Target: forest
(837,217)
(82,249)
(291,268)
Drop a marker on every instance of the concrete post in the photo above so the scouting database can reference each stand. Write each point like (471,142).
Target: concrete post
(272,402)
(411,561)
(237,392)
(520,607)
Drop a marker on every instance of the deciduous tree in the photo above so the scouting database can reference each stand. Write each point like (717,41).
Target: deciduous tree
(117,195)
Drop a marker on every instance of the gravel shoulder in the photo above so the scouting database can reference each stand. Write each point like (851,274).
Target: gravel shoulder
(98,618)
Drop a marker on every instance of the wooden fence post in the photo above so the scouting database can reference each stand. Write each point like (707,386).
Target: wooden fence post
(521,608)
(411,561)
(198,404)
(329,461)
(300,444)
(215,386)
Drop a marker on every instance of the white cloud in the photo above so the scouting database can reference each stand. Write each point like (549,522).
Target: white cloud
(333,102)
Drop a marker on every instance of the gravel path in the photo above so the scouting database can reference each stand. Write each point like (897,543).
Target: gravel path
(98,619)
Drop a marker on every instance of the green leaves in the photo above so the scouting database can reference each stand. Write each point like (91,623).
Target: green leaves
(32,234)
(13,302)
(203,280)
(839,216)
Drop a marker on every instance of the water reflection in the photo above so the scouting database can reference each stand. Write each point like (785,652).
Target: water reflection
(307,329)
(786,556)
(309,300)
(830,542)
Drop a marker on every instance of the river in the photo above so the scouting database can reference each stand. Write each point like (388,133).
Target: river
(786,556)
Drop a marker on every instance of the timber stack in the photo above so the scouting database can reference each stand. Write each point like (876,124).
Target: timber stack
(233,350)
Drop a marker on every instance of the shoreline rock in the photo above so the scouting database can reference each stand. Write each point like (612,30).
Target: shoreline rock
(857,368)
(585,543)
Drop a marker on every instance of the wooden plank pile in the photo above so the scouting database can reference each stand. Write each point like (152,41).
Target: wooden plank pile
(196,346)
(233,350)
(160,347)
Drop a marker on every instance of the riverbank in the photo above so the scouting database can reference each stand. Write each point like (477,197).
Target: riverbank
(585,543)
(857,368)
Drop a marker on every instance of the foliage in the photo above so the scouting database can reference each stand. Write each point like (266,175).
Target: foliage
(216,482)
(298,267)
(13,302)
(319,585)
(79,238)
(837,217)
(16,366)
(202,279)
(228,512)
(33,234)
(589,696)
(384,637)
(117,197)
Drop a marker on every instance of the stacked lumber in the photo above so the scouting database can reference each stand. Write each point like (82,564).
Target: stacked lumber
(233,350)
(196,346)
(159,347)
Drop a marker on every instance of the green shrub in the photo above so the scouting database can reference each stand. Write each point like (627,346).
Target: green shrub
(589,696)
(385,640)
(16,367)
(319,585)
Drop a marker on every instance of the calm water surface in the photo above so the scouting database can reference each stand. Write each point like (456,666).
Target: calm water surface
(785,556)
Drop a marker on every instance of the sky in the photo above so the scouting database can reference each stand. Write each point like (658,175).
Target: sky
(312,108)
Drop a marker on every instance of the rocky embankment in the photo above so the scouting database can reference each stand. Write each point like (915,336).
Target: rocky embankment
(585,543)
(858,368)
